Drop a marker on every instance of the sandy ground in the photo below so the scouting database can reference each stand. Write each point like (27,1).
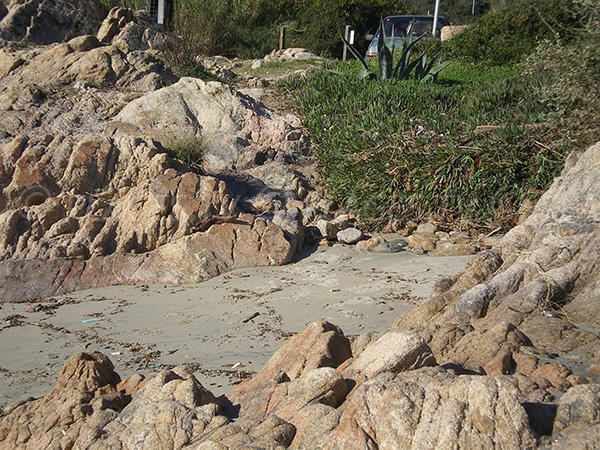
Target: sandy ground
(225,328)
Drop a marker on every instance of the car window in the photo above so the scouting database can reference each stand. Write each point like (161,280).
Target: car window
(422,26)
(397,25)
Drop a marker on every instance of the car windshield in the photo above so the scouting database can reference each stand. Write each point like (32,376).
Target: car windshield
(398,25)
(422,26)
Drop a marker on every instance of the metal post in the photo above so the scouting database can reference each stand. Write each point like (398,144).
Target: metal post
(473,9)
(436,14)
(347,37)
(161,12)
(282,33)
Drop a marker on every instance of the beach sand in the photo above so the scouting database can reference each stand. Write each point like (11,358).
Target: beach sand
(225,328)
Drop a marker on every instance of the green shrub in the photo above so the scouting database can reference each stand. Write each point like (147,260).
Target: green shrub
(318,23)
(567,77)
(249,28)
(509,33)
(429,45)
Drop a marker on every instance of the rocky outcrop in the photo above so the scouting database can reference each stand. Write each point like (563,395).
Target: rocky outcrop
(124,203)
(192,259)
(234,130)
(314,407)
(89,177)
(83,399)
(89,408)
(535,289)
(48,21)
(57,93)
(108,199)
(430,409)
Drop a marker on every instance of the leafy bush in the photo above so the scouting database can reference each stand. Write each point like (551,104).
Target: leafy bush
(567,77)
(249,28)
(509,33)
(318,23)
(406,151)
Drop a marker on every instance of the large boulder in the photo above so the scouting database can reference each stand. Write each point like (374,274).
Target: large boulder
(322,344)
(234,129)
(393,352)
(429,409)
(48,21)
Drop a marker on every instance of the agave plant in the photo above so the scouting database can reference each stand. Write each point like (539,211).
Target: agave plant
(403,67)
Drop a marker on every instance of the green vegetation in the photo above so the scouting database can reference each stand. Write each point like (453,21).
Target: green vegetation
(249,28)
(467,149)
(521,92)
(406,67)
(132,4)
(509,33)
(189,150)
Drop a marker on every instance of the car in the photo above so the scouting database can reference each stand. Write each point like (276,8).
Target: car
(398,26)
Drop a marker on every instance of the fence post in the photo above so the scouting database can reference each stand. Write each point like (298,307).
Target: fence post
(282,33)
(347,37)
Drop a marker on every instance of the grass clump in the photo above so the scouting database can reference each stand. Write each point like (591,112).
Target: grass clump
(189,150)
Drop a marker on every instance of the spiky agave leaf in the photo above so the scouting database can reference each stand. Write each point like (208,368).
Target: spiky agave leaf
(421,69)
(384,55)
(357,55)
(433,68)
(404,66)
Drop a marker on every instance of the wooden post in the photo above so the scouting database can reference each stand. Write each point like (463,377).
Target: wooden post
(282,38)
(347,37)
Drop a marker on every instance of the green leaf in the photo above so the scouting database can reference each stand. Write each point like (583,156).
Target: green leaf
(357,55)
(385,56)
(367,74)
(433,68)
